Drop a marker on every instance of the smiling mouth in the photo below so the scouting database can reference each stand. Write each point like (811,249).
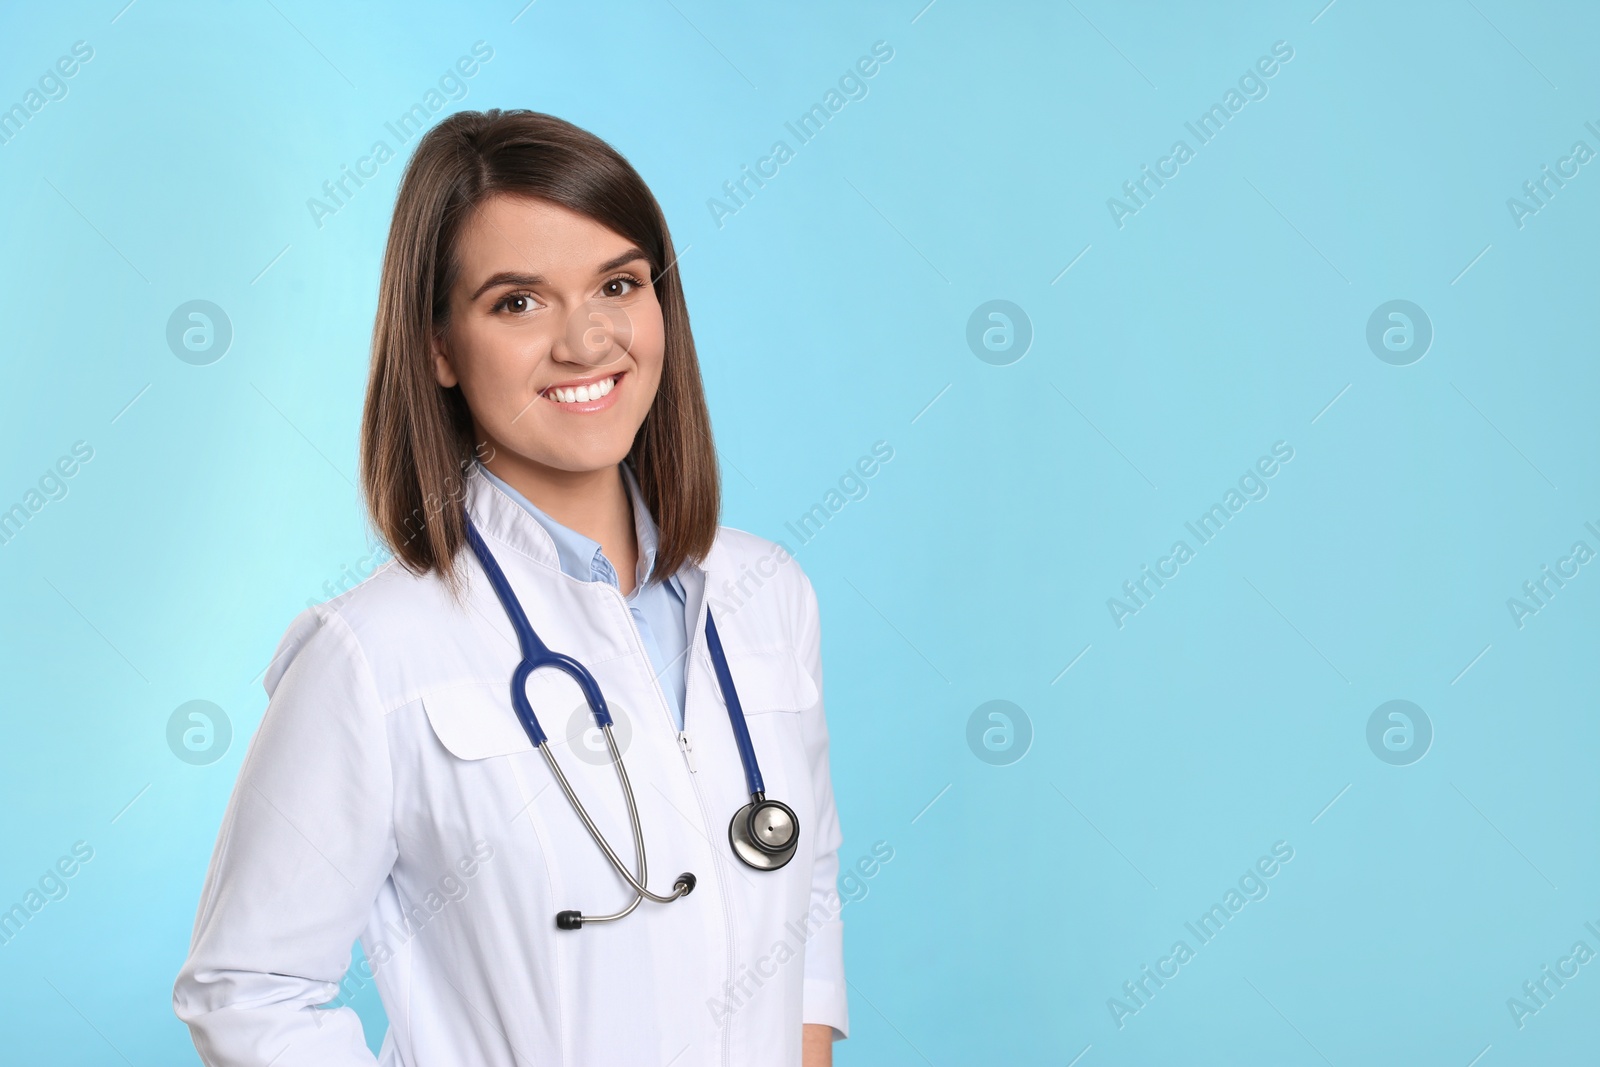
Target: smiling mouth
(581,394)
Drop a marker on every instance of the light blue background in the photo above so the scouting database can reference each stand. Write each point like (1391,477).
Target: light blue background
(830,313)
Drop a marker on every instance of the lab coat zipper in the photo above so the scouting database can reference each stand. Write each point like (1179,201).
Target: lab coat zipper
(695,636)
(705,815)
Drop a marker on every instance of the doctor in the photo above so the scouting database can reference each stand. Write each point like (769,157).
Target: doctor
(529,884)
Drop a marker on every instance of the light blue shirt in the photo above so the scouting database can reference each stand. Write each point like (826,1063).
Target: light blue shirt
(657,607)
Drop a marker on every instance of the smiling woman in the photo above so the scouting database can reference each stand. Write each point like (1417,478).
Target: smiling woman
(561,276)
(535,399)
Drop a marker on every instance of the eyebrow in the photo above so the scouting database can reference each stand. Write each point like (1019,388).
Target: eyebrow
(510,277)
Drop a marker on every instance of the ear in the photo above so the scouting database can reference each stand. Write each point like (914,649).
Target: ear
(444,371)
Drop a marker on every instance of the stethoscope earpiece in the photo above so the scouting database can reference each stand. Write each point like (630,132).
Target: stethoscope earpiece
(573,920)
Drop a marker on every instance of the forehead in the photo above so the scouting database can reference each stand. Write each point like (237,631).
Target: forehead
(521,233)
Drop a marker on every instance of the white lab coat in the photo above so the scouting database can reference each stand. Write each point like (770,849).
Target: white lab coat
(390,793)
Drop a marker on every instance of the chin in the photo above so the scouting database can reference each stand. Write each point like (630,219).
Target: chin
(590,457)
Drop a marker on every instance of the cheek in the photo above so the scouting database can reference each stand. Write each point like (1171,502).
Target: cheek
(495,370)
(497,358)
(649,343)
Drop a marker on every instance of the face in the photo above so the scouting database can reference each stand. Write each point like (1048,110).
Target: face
(555,338)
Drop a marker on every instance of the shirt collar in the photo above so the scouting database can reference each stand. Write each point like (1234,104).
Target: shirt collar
(644,528)
(580,556)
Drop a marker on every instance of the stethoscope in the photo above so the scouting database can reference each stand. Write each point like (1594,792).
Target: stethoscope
(764,833)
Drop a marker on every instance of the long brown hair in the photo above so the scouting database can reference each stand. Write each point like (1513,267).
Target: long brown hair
(416,436)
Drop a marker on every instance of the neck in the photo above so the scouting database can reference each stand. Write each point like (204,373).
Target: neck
(595,503)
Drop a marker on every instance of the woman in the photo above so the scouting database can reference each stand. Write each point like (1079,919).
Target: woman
(537,453)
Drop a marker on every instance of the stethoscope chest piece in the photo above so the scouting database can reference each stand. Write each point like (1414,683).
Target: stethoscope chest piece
(764,833)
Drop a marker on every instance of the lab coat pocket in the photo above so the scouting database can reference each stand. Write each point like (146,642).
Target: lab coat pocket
(774,688)
(475,720)
(770,680)
(486,780)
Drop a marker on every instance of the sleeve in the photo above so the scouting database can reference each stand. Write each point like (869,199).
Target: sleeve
(824,999)
(306,843)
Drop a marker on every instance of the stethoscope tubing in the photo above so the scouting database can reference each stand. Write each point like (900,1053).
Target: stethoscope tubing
(535,655)
(741,731)
(748,844)
(633,824)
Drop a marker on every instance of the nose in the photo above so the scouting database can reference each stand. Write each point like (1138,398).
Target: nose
(594,335)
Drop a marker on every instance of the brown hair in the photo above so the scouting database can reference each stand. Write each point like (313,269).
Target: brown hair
(416,435)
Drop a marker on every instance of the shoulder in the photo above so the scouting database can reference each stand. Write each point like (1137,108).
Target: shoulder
(741,550)
(383,611)
(745,568)
(746,571)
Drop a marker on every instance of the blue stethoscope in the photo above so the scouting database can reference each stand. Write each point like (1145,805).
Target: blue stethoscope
(764,833)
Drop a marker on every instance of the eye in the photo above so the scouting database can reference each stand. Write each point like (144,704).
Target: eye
(519,302)
(621,285)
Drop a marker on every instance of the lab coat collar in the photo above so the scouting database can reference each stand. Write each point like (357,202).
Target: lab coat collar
(498,516)
(647,537)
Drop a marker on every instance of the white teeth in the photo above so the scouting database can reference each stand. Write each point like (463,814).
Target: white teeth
(582,393)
